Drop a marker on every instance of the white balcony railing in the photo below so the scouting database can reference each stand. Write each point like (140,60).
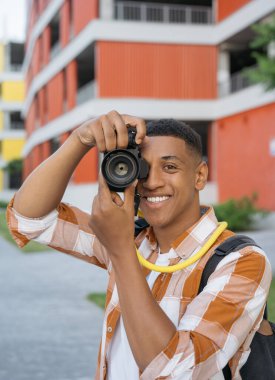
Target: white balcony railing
(168,13)
(86,92)
(55,50)
(237,82)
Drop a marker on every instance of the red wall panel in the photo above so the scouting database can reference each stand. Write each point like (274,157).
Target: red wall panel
(35,59)
(64,137)
(37,158)
(226,7)
(244,163)
(46,37)
(83,12)
(64,23)
(87,169)
(30,119)
(156,70)
(71,79)
(55,97)
(45,150)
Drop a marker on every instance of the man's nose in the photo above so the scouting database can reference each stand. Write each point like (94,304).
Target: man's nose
(153,180)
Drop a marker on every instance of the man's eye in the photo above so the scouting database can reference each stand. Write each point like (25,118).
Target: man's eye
(169,167)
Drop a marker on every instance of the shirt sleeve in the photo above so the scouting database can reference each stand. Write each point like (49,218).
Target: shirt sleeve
(219,323)
(65,229)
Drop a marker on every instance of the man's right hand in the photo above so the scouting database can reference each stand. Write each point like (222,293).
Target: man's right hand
(108,132)
(43,190)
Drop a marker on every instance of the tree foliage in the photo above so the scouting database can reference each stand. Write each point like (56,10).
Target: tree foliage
(14,166)
(264,41)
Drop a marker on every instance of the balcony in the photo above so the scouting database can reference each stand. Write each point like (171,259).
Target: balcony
(165,13)
(56,48)
(235,83)
(17,125)
(86,92)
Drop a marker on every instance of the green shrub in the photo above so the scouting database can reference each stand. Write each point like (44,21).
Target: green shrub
(240,214)
(3,204)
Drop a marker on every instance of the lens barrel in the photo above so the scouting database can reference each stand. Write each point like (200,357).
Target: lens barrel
(120,168)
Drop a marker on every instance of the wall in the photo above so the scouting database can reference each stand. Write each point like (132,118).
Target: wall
(87,169)
(2,57)
(156,70)
(13,91)
(55,97)
(226,7)
(1,121)
(83,12)
(12,148)
(244,164)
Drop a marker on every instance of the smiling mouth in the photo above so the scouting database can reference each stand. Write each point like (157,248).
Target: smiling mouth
(157,199)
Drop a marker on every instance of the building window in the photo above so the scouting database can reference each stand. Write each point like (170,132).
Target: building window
(85,75)
(54,144)
(16,56)
(14,170)
(16,122)
(55,35)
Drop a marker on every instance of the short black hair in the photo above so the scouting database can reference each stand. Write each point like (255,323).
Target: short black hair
(176,128)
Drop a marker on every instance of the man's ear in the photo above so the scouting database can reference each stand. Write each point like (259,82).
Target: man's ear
(201,175)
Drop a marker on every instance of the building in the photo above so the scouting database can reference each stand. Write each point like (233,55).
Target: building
(154,59)
(12,134)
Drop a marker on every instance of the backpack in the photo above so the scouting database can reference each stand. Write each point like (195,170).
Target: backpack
(260,364)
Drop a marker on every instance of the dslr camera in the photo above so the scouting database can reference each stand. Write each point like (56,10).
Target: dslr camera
(120,167)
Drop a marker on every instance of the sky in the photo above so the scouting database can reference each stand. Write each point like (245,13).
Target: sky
(12,20)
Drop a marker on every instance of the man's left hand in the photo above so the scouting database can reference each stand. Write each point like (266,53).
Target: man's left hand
(112,218)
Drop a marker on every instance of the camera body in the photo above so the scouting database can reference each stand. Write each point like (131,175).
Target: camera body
(120,167)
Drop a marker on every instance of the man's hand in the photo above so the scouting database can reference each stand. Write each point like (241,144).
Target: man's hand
(112,219)
(109,131)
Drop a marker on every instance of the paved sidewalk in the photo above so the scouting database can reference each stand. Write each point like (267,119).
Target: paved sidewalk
(48,330)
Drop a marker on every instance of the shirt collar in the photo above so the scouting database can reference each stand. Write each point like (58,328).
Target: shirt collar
(193,238)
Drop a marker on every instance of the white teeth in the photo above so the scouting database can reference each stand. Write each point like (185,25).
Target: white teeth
(157,199)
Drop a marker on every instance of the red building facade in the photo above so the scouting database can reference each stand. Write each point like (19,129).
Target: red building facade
(180,59)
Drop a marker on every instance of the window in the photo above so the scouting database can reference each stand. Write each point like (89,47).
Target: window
(16,122)
(16,56)
(85,75)
(54,144)
(55,35)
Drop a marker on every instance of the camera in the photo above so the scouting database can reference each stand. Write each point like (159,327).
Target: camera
(120,167)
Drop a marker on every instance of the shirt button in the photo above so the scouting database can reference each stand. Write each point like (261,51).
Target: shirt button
(109,329)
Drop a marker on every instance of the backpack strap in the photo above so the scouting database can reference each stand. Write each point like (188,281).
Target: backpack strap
(231,244)
(140,224)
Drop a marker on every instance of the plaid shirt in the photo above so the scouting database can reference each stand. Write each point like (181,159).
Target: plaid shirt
(213,328)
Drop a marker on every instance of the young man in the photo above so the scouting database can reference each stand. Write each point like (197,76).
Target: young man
(155,325)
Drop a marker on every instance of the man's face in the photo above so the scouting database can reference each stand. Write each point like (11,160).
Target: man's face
(170,192)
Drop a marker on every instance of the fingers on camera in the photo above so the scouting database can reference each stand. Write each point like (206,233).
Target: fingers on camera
(139,124)
(113,132)
(120,128)
(100,139)
(109,133)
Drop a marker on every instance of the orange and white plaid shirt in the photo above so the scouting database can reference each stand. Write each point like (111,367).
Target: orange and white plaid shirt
(213,328)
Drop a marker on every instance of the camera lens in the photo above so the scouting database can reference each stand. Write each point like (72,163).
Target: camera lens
(120,168)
